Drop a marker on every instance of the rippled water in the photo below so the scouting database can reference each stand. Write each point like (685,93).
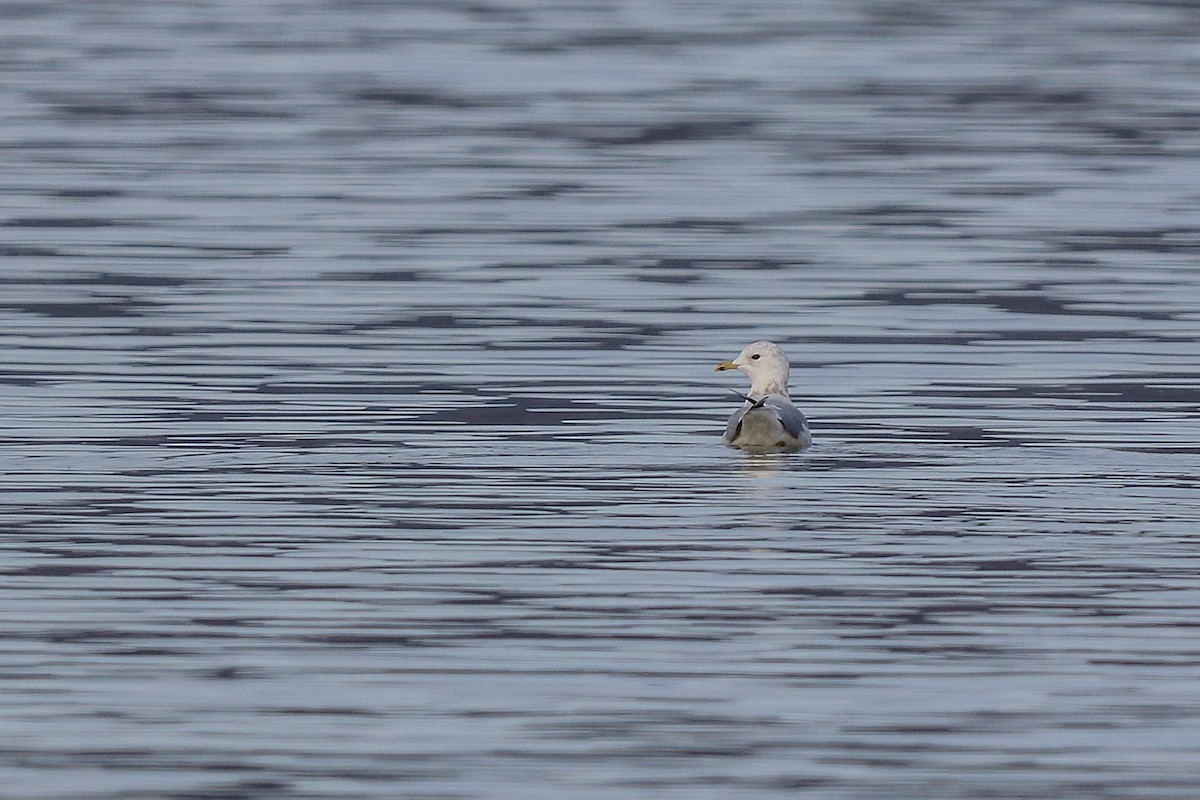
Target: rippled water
(361,438)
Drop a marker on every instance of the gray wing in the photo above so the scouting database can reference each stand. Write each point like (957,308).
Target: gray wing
(734,426)
(790,417)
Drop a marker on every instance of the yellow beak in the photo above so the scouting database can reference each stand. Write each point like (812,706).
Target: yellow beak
(724,365)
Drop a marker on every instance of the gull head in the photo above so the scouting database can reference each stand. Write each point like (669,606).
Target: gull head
(766,366)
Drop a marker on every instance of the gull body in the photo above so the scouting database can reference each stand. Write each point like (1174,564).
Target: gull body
(767,422)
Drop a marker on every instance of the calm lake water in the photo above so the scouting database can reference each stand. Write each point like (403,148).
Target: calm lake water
(361,439)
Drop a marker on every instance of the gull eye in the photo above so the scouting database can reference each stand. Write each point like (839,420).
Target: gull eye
(755,357)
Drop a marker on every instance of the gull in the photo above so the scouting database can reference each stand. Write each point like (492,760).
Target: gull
(767,422)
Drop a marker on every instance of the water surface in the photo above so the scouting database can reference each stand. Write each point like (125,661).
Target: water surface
(362,440)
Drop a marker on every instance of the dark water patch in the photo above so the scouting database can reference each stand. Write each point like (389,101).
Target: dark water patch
(524,411)
(1124,134)
(898,340)
(22,379)
(618,37)
(169,104)
(1124,392)
(404,235)
(358,386)
(355,387)
(898,147)
(670,278)
(545,191)
(55,570)
(901,216)
(972,434)
(117,279)
(146,652)
(1066,335)
(681,131)
(424,321)
(423,97)
(341,711)
(90,194)
(591,331)
(1162,240)
(25,251)
(691,224)
(707,264)
(148,251)
(62,222)
(1024,97)
(1005,565)
(1108,391)
(379,276)
(586,341)
(181,250)
(1027,299)
(367,640)
(102,308)
(1006,190)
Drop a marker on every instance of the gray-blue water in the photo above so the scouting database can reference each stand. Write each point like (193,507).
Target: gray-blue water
(360,436)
